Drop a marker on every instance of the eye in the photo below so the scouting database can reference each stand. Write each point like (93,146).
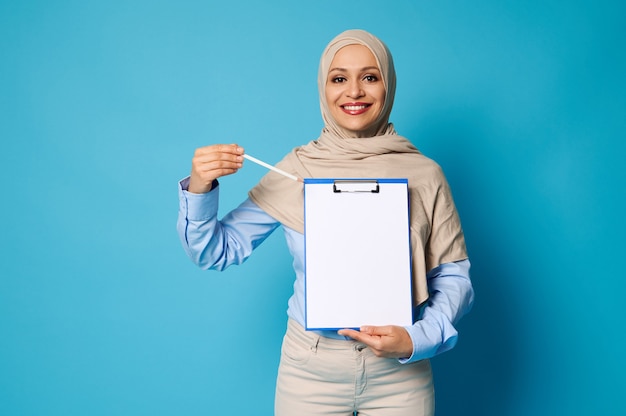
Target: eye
(338,79)
(370,78)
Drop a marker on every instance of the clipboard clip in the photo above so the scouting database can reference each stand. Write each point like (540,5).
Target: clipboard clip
(356,185)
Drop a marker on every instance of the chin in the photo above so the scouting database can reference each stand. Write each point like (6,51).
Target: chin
(356,127)
(359,130)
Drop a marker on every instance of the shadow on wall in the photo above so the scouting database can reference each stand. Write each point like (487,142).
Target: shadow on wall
(477,377)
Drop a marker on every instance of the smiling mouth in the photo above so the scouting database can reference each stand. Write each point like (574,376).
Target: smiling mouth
(355,109)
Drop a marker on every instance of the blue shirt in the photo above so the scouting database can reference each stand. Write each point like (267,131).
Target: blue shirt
(216,244)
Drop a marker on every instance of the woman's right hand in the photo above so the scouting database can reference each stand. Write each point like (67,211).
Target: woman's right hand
(212,162)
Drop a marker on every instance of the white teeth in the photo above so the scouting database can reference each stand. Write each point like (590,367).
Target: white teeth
(354,107)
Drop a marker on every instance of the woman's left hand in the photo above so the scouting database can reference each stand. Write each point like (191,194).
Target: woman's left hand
(385,341)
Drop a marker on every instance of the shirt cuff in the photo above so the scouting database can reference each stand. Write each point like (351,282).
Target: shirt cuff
(198,207)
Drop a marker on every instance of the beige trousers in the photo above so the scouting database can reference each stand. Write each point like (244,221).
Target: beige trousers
(324,376)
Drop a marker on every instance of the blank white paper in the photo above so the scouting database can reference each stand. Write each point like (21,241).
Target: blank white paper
(357,256)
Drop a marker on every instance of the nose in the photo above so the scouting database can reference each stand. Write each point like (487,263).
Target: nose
(354,89)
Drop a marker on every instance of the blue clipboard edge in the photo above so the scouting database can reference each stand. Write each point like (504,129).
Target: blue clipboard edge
(311,181)
(331,180)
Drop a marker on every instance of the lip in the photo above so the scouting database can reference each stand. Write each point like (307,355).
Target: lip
(354,109)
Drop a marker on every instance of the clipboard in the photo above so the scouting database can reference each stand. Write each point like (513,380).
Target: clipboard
(357,253)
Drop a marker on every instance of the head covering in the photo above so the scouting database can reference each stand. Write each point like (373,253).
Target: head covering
(436,234)
(385,65)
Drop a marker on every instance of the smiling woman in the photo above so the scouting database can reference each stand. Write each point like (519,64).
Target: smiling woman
(377,370)
(355,93)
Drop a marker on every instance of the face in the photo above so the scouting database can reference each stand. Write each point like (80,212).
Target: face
(354,89)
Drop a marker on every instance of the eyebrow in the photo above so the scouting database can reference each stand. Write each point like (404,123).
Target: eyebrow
(367,68)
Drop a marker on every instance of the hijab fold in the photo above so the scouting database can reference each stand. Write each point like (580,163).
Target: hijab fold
(436,234)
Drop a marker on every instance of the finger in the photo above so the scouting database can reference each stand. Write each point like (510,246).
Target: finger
(369,340)
(351,333)
(230,148)
(377,330)
(215,159)
(220,148)
(208,164)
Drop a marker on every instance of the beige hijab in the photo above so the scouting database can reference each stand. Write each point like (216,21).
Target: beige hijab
(436,234)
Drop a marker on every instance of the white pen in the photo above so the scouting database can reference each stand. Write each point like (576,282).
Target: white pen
(270,167)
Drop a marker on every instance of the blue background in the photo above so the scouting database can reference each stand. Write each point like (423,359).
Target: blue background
(103,103)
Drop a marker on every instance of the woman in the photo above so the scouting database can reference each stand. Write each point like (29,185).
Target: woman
(379,370)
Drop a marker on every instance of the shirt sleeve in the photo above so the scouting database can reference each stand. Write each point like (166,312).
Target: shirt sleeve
(216,244)
(451,297)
